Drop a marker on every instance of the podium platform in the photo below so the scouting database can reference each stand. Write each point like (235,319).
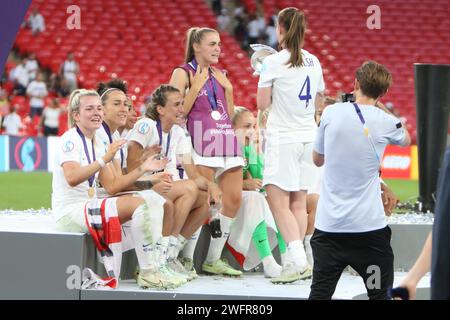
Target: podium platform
(38,262)
(251,286)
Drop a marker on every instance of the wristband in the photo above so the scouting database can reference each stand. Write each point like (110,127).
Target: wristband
(101,162)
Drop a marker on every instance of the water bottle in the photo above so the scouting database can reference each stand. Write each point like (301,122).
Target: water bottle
(214,222)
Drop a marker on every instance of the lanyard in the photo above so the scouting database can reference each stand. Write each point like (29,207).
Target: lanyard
(159,128)
(91,178)
(366,132)
(180,171)
(211,89)
(108,133)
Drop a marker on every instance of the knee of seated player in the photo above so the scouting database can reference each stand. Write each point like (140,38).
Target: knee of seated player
(232,199)
(202,198)
(126,207)
(190,188)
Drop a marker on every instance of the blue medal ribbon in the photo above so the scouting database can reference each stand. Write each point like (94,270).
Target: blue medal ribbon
(91,178)
(211,89)
(180,171)
(108,133)
(159,128)
(367,133)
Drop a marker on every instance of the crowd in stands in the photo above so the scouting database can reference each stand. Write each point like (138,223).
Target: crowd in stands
(247,27)
(33,99)
(29,93)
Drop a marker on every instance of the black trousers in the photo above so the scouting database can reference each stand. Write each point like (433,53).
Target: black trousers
(369,253)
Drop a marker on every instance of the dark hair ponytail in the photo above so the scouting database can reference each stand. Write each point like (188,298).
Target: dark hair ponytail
(117,84)
(158,98)
(293,21)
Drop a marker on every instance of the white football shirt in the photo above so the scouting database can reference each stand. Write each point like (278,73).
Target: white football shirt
(146,134)
(291,118)
(71,149)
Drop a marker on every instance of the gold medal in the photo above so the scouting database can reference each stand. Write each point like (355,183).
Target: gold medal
(91,192)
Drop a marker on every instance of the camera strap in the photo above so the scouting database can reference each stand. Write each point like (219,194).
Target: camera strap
(367,133)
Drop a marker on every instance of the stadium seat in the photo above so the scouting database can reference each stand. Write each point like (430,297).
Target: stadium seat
(148,43)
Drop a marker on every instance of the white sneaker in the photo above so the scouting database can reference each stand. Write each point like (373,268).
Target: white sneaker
(290,273)
(156,280)
(176,266)
(272,269)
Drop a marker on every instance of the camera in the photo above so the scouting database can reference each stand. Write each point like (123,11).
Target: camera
(348,97)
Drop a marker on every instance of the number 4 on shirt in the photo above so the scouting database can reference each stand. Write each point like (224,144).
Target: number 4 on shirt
(305,97)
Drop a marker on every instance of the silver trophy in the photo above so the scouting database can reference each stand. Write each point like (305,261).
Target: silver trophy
(257,58)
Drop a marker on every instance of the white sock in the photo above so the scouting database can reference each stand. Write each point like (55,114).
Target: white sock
(144,246)
(271,267)
(172,252)
(181,243)
(154,219)
(308,249)
(189,247)
(283,257)
(161,250)
(216,245)
(297,252)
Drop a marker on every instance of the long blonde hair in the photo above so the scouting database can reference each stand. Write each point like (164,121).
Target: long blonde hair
(238,112)
(74,102)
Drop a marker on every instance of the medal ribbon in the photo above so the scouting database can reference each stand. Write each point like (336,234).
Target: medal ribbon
(159,128)
(91,178)
(367,133)
(108,132)
(211,89)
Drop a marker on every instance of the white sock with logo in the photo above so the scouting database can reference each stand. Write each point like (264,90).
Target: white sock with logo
(161,250)
(216,245)
(172,251)
(189,248)
(142,239)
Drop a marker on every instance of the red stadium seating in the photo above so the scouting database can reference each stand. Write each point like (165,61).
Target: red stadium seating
(141,41)
(411,32)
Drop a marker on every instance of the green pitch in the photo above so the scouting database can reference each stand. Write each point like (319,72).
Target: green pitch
(19,190)
(406,190)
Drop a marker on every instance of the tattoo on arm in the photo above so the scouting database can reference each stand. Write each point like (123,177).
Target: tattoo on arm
(143,185)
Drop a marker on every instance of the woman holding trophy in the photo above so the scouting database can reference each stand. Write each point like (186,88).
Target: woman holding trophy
(209,106)
(290,81)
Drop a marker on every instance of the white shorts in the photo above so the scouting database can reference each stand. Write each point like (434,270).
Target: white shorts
(74,220)
(290,166)
(151,197)
(222,164)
